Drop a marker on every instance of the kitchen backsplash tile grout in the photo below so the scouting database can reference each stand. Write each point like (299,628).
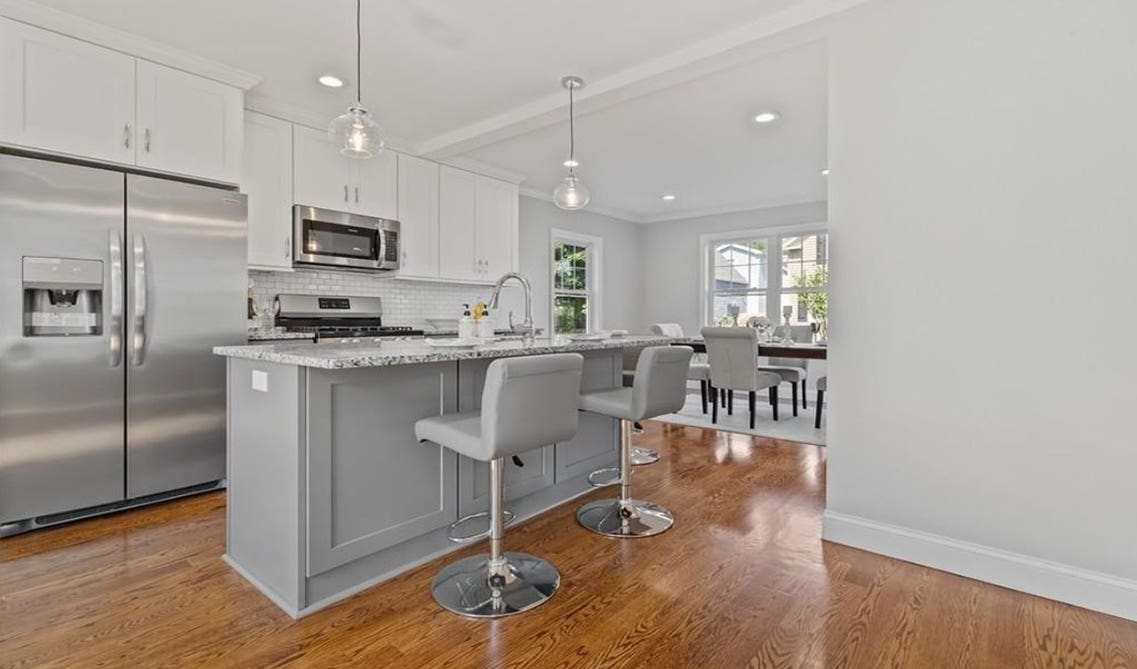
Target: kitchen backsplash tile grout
(405,301)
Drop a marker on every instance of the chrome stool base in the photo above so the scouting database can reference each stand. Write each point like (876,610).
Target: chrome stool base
(641,519)
(526,581)
(644,456)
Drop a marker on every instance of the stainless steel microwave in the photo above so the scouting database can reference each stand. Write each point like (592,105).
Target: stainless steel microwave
(339,239)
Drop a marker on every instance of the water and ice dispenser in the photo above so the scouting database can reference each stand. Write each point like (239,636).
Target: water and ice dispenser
(62,297)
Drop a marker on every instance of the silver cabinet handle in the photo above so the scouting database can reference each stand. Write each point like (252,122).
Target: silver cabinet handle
(345,192)
(114,330)
(138,335)
(287,248)
(146,141)
(357,194)
(126,136)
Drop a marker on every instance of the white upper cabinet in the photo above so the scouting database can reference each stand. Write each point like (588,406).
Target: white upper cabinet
(324,178)
(418,217)
(64,95)
(496,231)
(267,181)
(321,177)
(457,205)
(188,124)
(68,96)
(376,185)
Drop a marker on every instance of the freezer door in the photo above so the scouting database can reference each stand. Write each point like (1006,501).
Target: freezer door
(186,287)
(61,380)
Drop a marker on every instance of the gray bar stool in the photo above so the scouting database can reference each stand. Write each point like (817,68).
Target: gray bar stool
(660,387)
(527,402)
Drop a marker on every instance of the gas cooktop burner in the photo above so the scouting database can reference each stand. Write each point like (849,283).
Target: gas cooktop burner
(335,332)
(338,318)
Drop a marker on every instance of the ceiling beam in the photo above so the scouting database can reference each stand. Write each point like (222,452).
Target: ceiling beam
(692,62)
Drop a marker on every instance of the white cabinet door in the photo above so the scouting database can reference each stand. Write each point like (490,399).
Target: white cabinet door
(457,202)
(376,185)
(64,95)
(267,181)
(496,226)
(321,177)
(188,124)
(418,217)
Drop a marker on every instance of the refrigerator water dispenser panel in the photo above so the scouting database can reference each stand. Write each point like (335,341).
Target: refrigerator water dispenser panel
(63,297)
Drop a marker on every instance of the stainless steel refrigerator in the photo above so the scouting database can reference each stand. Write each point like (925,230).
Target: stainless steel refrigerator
(114,288)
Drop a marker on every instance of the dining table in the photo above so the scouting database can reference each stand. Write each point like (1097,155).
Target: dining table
(767,349)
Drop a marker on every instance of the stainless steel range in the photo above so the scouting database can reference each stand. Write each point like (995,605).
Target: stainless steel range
(340,318)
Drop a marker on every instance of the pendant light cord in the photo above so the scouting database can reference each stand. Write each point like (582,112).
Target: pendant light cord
(358,57)
(572,130)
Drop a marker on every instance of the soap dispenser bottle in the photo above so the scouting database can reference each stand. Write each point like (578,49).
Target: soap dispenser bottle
(485,323)
(467,328)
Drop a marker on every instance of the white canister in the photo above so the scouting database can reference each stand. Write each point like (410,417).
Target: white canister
(485,328)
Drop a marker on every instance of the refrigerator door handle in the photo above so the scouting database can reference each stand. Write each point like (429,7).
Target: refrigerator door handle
(114,354)
(138,337)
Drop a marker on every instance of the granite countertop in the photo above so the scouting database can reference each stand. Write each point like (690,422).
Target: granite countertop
(262,334)
(367,354)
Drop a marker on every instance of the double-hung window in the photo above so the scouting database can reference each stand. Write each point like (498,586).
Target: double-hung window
(775,275)
(576,269)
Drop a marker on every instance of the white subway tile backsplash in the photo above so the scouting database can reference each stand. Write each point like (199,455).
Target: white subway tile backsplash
(405,302)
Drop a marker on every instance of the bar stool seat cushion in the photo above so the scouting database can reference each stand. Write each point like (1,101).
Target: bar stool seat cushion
(615,403)
(461,432)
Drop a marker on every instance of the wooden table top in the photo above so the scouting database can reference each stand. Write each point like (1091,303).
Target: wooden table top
(772,350)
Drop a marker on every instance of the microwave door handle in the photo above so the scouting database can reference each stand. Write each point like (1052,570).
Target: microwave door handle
(114,245)
(138,336)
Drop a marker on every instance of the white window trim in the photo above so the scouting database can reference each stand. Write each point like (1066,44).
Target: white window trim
(595,276)
(773,297)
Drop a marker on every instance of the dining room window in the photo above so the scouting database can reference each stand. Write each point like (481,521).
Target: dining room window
(777,276)
(575,276)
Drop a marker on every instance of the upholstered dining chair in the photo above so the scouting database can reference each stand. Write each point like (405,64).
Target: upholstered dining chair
(732,354)
(793,371)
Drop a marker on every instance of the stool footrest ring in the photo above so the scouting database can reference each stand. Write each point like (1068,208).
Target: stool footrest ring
(507,518)
(602,478)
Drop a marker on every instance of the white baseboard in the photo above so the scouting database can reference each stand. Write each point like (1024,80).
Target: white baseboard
(1080,587)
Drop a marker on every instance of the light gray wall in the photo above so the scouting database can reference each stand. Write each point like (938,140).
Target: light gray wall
(973,214)
(621,254)
(672,258)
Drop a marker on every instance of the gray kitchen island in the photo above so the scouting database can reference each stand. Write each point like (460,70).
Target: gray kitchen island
(330,493)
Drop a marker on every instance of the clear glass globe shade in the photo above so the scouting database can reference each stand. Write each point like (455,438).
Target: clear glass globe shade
(357,135)
(571,193)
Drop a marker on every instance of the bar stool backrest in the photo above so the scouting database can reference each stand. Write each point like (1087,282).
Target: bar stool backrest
(529,402)
(733,356)
(660,386)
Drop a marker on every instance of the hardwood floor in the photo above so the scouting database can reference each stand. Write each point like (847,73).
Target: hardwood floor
(742,580)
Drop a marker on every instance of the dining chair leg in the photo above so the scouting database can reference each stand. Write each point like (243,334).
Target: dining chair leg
(793,386)
(753,397)
(714,403)
(703,394)
(774,398)
(819,402)
(730,402)
(724,400)
(803,394)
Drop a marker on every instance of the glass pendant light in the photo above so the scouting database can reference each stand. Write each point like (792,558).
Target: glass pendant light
(354,131)
(571,193)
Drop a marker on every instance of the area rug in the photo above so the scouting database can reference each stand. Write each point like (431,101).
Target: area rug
(787,427)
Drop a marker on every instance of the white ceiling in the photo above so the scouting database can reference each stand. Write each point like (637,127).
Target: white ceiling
(480,78)
(696,140)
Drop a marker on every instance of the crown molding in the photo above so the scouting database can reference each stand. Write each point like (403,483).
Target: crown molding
(70,25)
(474,165)
(617,214)
(697,60)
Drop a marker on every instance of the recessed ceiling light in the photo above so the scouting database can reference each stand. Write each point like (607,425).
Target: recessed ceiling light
(825,172)
(668,198)
(331,81)
(767,117)
(571,163)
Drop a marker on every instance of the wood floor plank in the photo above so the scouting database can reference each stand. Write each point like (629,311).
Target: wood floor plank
(742,580)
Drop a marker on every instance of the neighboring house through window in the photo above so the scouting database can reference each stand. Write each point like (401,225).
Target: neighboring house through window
(576,268)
